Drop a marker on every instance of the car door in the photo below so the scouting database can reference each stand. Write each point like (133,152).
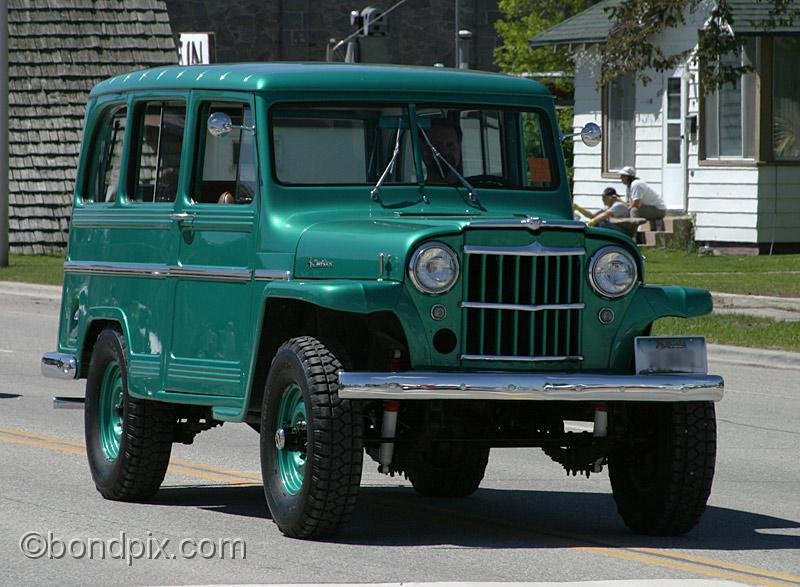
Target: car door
(212,333)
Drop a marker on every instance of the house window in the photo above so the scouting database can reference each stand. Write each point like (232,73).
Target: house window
(785,103)
(620,124)
(730,112)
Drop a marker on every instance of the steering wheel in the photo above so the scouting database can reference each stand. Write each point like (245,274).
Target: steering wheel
(488,181)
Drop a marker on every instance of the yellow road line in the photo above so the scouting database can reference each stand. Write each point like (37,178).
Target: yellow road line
(649,556)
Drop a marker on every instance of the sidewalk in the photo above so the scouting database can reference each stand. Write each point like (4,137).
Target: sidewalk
(768,307)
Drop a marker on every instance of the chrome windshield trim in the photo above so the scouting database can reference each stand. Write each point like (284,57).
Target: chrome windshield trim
(521,307)
(122,269)
(524,359)
(532,250)
(59,366)
(272,275)
(530,386)
(210,273)
(530,223)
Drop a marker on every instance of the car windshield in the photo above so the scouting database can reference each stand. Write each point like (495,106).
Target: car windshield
(365,145)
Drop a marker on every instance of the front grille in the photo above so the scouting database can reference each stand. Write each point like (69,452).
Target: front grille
(522,303)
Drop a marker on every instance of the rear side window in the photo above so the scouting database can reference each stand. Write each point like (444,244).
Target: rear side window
(106,156)
(159,137)
(226,164)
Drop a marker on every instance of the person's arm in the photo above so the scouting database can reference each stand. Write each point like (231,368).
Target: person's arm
(635,203)
(599,217)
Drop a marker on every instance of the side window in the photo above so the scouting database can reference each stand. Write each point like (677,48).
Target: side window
(226,164)
(107,157)
(159,138)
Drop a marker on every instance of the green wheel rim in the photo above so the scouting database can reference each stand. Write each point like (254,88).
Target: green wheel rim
(112,401)
(292,463)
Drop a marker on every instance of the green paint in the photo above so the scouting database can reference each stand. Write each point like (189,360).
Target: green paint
(291,415)
(187,292)
(110,412)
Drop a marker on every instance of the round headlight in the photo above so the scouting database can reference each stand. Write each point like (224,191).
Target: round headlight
(433,268)
(612,272)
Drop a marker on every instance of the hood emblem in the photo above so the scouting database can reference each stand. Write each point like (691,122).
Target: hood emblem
(319,264)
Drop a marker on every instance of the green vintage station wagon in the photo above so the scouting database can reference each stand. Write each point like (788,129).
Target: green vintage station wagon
(355,258)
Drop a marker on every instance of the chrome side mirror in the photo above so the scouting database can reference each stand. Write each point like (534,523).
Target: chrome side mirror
(219,124)
(591,135)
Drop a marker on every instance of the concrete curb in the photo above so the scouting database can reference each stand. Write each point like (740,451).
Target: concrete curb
(754,357)
(31,290)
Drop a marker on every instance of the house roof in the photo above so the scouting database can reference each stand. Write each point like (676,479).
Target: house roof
(59,49)
(593,24)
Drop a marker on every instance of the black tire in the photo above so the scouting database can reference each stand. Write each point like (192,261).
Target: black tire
(321,497)
(135,467)
(661,482)
(449,469)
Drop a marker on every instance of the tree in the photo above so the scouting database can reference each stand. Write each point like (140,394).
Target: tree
(629,48)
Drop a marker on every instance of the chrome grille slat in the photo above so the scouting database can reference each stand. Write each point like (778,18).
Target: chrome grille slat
(522,303)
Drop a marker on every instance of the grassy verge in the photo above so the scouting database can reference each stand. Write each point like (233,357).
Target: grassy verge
(42,269)
(735,329)
(778,275)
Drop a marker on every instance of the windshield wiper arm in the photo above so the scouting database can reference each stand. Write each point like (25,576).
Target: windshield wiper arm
(472,193)
(375,193)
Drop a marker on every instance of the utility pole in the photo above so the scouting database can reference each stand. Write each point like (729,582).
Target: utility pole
(4,133)
(457,38)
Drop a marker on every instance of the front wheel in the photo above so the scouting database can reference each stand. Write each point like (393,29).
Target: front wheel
(128,440)
(311,442)
(661,471)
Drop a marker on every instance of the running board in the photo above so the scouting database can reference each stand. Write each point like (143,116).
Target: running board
(68,403)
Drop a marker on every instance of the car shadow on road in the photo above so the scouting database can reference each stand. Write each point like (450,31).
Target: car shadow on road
(499,518)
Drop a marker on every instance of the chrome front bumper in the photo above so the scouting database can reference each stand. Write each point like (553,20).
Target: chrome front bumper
(531,386)
(59,366)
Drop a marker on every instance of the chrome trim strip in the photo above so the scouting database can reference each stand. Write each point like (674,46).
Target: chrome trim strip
(59,366)
(531,223)
(530,386)
(210,273)
(158,271)
(523,358)
(68,403)
(532,250)
(123,269)
(272,275)
(522,307)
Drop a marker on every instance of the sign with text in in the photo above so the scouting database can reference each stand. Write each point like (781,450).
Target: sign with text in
(197,48)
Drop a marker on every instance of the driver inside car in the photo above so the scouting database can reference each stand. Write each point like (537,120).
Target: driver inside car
(446,139)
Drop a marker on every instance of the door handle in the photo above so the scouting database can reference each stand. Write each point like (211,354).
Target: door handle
(182,216)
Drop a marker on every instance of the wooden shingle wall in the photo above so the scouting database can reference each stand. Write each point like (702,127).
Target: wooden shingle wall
(59,49)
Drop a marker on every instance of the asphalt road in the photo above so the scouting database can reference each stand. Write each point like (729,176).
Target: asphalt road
(528,522)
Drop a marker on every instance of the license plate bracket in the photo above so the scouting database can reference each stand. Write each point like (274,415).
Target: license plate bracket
(670,354)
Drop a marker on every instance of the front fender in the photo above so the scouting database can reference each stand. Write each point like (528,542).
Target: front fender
(360,297)
(650,303)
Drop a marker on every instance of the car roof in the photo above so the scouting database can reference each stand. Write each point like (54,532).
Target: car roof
(326,78)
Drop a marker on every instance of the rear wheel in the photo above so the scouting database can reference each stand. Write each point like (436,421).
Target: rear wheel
(661,472)
(128,440)
(311,442)
(447,469)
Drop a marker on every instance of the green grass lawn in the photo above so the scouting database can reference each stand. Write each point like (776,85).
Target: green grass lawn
(778,275)
(735,329)
(43,269)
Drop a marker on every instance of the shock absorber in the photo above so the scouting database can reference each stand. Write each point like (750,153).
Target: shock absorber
(389,423)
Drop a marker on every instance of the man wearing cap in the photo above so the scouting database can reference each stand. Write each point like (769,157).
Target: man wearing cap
(643,201)
(614,208)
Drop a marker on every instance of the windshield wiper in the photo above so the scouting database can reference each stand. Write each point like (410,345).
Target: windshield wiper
(472,193)
(375,193)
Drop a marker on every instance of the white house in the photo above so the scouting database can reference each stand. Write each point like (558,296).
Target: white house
(731,159)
